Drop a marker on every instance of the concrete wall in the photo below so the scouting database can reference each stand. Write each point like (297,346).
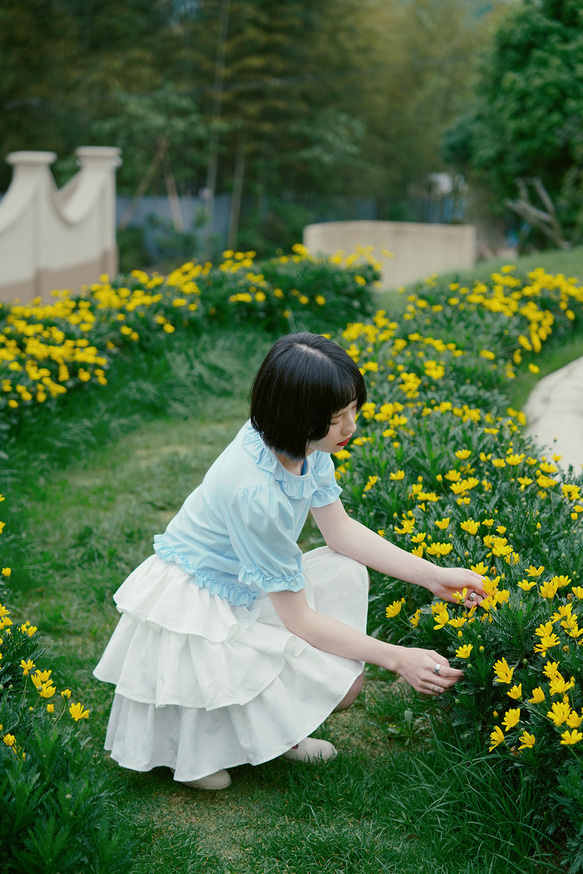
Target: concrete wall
(418,249)
(51,239)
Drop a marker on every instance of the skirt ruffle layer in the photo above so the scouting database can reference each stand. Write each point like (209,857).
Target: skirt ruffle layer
(203,685)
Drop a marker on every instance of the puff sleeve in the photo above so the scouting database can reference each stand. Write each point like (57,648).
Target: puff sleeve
(262,528)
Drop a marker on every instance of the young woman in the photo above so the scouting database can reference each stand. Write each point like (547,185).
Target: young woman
(232,646)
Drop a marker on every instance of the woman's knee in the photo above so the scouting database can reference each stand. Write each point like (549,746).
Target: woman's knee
(352,694)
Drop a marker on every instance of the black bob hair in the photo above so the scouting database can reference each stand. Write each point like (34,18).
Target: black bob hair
(304,379)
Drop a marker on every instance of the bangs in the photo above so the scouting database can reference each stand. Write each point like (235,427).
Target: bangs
(343,387)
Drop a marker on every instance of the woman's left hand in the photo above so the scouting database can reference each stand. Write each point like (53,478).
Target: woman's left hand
(460,586)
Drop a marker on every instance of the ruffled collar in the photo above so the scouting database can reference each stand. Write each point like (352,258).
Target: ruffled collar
(294,486)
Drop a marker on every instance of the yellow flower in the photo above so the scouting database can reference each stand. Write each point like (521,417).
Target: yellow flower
(9,740)
(394,609)
(442,523)
(548,590)
(458,622)
(408,526)
(547,642)
(464,485)
(535,571)
(462,454)
(66,693)
(558,685)
(551,670)
(50,708)
(398,475)
(470,526)
(371,481)
(547,467)
(571,737)
(463,652)
(527,741)
(503,671)
(414,620)
(26,666)
(441,615)
(515,692)
(439,548)
(40,677)
(480,568)
(526,585)
(559,712)
(574,720)
(496,737)
(47,690)
(77,712)
(544,630)
(538,696)
(511,718)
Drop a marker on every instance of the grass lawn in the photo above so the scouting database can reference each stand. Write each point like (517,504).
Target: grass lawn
(84,509)
(379,807)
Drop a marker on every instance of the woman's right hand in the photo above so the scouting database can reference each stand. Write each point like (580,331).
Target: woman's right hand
(426,670)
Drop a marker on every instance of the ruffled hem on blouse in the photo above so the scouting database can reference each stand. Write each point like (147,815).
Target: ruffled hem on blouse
(236,595)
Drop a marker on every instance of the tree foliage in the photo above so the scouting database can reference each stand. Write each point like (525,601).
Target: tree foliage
(327,97)
(525,118)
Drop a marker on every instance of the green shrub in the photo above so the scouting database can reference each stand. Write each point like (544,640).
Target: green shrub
(48,350)
(57,810)
(442,468)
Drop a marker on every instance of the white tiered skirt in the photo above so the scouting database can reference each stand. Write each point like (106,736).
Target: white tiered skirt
(202,685)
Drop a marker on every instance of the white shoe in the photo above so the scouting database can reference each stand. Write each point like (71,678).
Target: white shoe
(311,750)
(219,780)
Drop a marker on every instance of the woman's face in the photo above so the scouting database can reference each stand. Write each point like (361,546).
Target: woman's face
(342,427)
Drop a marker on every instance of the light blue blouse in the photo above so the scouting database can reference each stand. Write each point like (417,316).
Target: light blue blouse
(236,534)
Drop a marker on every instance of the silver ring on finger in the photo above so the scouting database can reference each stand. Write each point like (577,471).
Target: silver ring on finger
(472,596)
(437,669)
(433,687)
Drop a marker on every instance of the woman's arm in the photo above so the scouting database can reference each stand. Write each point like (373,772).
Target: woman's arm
(349,537)
(417,666)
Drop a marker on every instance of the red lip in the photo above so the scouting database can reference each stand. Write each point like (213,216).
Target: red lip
(344,443)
